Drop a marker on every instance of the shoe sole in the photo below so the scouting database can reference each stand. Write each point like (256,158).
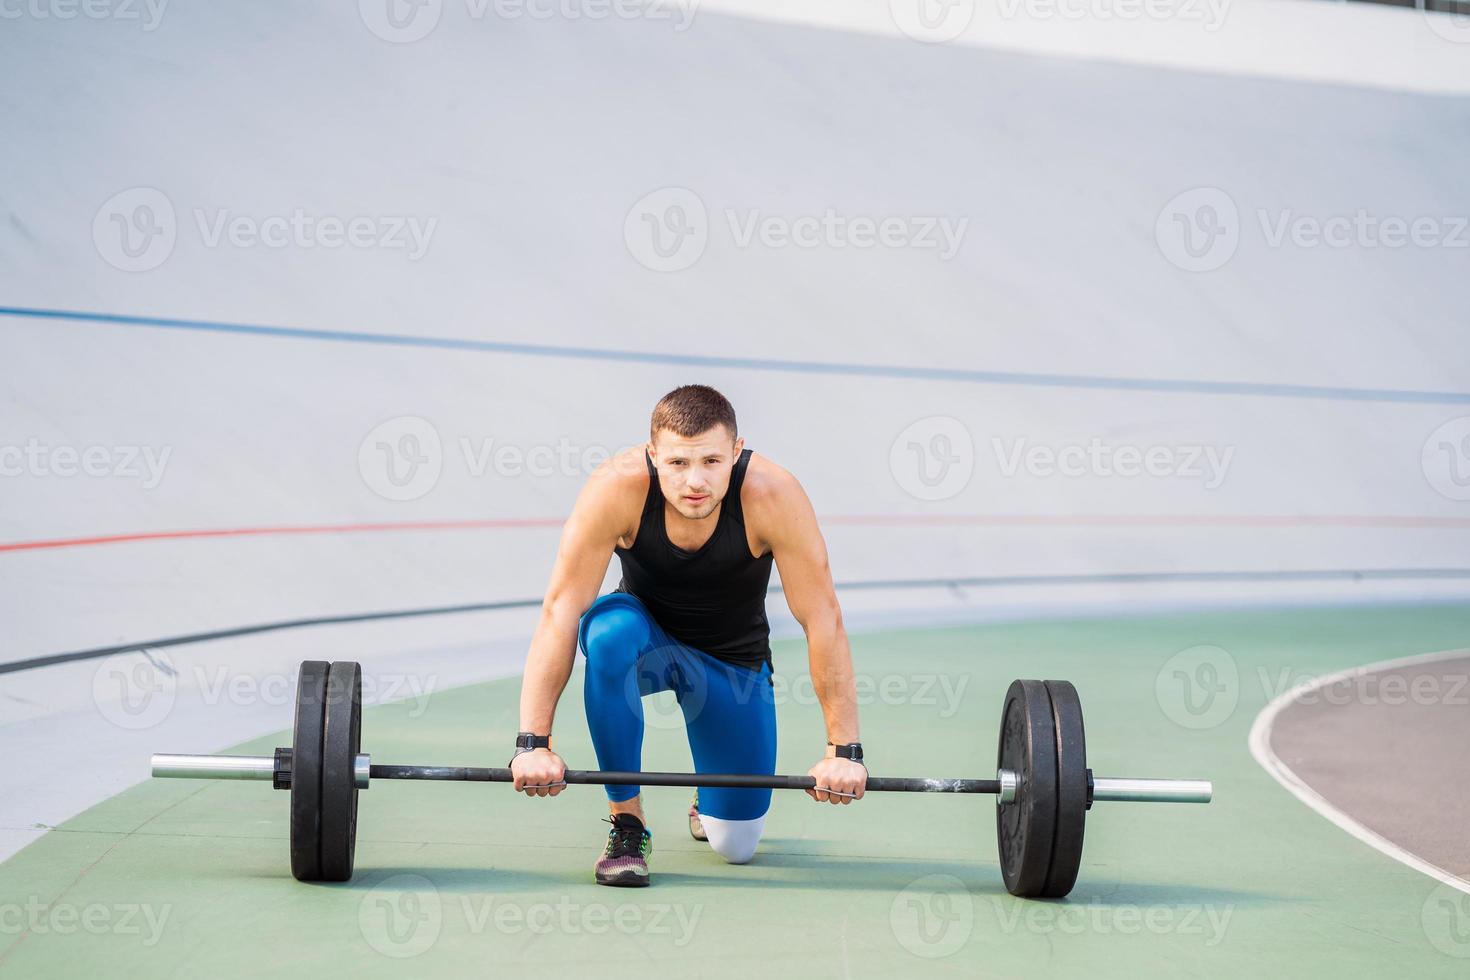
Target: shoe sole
(623,881)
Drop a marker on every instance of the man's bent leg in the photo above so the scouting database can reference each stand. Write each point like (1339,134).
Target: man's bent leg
(623,646)
(733,840)
(733,729)
(613,635)
(626,659)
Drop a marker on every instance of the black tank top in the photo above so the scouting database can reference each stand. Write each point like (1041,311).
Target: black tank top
(713,599)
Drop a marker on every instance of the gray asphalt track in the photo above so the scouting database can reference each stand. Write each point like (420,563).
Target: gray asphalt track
(1391,749)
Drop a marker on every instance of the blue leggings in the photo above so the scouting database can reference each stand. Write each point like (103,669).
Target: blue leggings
(729,712)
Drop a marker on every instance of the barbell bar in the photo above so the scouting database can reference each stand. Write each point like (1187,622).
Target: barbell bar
(1042,785)
(1116,789)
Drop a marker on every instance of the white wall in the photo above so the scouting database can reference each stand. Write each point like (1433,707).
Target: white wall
(529,141)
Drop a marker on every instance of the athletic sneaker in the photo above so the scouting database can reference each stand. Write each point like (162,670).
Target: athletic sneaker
(624,861)
(696,829)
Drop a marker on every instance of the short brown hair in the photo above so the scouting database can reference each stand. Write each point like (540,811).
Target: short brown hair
(691,409)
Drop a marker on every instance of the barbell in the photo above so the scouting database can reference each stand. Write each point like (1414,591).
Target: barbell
(1043,787)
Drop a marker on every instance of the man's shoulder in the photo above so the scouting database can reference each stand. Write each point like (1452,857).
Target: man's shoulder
(626,465)
(768,487)
(618,484)
(776,507)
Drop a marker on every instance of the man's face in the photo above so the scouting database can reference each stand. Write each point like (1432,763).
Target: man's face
(694,472)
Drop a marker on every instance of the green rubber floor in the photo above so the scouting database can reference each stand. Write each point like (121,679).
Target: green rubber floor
(191,879)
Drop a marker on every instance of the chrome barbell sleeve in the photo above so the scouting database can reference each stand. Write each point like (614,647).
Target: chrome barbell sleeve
(1126,789)
(214,766)
(262,767)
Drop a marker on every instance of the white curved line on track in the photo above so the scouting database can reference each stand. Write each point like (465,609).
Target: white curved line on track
(1260,745)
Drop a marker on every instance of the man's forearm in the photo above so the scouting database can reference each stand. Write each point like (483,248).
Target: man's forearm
(548,666)
(832,679)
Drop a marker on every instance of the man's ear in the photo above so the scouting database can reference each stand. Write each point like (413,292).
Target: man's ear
(739,446)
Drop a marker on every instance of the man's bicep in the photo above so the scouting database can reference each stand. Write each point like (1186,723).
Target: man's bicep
(801,558)
(807,583)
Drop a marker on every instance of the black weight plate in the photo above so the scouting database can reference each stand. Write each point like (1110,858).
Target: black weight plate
(340,744)
(1026,828)
(306,771)
(1066,851)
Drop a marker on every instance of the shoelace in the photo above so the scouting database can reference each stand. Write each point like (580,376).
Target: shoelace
(625,841)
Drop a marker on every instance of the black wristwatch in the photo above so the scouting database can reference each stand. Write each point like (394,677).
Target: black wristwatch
(528,741)
(852,750)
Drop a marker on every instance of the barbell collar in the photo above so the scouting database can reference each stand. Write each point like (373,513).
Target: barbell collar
(1008,783)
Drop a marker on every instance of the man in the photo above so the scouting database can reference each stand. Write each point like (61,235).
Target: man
(696,520)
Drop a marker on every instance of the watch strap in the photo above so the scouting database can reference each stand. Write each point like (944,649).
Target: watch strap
(529,742)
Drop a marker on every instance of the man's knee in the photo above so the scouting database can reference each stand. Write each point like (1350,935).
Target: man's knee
(733,840)
(612,640)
